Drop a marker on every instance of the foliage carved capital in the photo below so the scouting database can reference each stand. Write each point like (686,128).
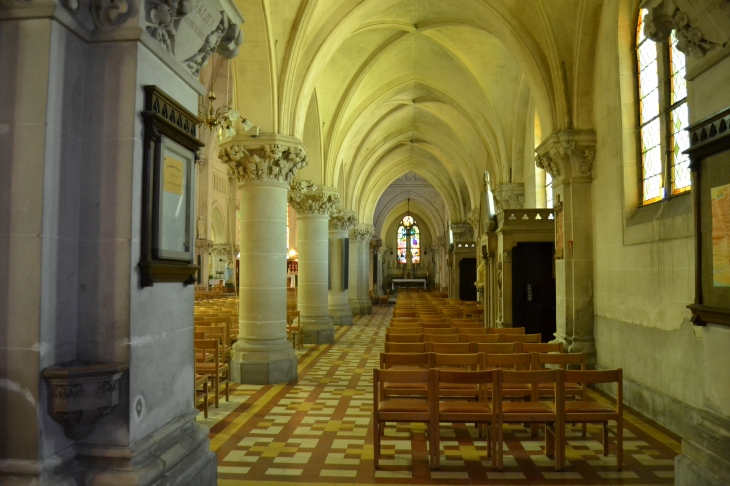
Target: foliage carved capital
(273,162)
(306,199)
(362,232)
(568,154)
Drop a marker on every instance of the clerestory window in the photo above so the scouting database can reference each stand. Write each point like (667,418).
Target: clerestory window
(663,117)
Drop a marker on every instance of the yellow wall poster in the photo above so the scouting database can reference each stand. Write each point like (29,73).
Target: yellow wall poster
(720,197)
(173,175)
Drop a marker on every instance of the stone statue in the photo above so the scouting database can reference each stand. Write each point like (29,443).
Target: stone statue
(200,227)
(481,277)
(228,270)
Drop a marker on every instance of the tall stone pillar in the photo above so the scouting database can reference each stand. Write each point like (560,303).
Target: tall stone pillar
(264,168)
(313,209)
(382,251)
(339,308)
(568,156)
(359,257)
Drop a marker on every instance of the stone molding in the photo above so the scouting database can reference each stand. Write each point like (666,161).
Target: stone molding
(306,199)
(100,15)
(509,196)
(568,154)
(263,162)
(667,17)
(164,19)
(342,220)
(362,232)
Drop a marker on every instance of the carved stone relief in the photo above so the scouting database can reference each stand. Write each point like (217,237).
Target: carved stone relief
(342,221)
(304,198)
(462,232)
(192,30)
(700,27)
(362,233)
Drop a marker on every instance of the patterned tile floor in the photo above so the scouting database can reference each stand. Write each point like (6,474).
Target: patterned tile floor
(317,431)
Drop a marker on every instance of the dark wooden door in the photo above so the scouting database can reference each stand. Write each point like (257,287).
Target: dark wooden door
(533,289)
(467,277)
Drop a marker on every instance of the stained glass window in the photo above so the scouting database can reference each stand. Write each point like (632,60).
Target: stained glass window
(656,105)
(415,240)
(649,124)
(678,120)
(409,241)
(402,243)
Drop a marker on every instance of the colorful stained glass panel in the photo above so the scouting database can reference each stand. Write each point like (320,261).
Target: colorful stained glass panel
(679,120)
(415,245)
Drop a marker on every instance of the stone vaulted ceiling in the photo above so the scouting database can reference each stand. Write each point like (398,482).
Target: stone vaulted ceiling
(442,88)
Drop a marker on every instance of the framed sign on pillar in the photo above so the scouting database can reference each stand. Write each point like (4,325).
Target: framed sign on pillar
(167,236)
(709,154)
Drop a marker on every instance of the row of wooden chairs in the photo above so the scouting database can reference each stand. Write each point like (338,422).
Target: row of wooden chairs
(473,347)
(464,336)
(210,365)
(554,414)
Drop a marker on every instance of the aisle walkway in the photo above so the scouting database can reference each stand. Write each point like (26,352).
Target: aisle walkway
(318,431)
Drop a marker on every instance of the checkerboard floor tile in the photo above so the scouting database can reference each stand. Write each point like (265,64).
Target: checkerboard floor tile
(317,431)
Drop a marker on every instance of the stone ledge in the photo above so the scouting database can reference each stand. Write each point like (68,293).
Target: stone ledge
(660,221)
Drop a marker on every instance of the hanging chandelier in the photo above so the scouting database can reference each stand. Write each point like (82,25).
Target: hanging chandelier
(224,118)
(408,220)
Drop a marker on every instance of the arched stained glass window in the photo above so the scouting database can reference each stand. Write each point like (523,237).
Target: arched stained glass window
(415,244)
(402,243)
(663,116)
(409,240)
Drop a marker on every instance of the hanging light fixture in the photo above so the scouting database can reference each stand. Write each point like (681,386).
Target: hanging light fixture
(408,221)
(224,118)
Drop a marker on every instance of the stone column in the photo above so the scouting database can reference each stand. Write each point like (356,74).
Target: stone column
(313,207)
(339,308)
(509,196)
(382,251)
(568,156)
(359,256)
(264,168)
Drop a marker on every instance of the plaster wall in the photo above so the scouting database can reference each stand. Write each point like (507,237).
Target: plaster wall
(644,257)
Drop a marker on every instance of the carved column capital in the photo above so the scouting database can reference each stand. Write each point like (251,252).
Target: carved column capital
(268,158)
(362,232)
(307,199)
(568,154)
(343,220)
(462,232)
(509,196)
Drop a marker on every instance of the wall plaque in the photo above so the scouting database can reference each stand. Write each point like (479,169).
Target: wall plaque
(710,163)
(167,236)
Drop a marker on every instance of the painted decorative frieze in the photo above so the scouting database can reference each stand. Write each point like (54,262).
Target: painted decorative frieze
(266,163)
(568,154)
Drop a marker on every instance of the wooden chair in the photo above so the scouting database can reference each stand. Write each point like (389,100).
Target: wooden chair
(439,330)
(295,332)
(440,338)
(451,313)
(589,411)
(404,338)
(403,410)
(479,338)
(218,370)
(507,330)
(534,411)
(404,321)
(474,330)
(466,323)
(463,411)
(512,362)
(433,320)
(404,313)
(542,347)
(402,330)
(520,338)
(563,361)
(472,311)
(495,348)
(200,393)
(405,347)
(449,348)
(384,299)
(464,362)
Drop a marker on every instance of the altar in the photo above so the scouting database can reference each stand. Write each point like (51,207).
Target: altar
(408,282)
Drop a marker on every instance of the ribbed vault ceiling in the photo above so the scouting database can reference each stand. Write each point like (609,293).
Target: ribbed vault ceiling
(442,88)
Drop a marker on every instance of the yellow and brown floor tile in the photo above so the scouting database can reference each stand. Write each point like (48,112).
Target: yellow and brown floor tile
(317,430)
